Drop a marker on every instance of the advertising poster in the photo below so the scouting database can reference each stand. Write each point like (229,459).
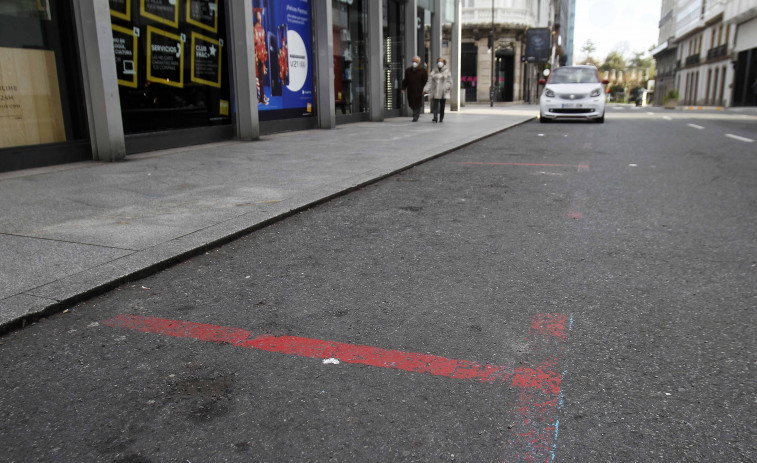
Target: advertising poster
(30,106)
(206,60)
(120,9)
(125,48)
(165,58)
(283,58)
(538,46)
(203,13)
(163,11)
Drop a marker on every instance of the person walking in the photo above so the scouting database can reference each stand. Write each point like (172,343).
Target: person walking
(413,83)
(438,87)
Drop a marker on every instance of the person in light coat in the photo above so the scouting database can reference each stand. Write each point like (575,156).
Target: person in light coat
(438,87)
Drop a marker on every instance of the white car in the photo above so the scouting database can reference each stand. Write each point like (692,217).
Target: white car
(573,92)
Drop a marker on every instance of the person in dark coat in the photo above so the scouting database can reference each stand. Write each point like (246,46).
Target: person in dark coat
(414,81)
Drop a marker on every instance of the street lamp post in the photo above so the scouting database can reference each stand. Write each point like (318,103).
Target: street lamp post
(491,40)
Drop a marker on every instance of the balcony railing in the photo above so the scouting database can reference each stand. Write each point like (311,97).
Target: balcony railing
(693,59)
(501,16)
(717,52)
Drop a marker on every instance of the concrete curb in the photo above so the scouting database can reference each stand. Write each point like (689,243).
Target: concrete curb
(64,293)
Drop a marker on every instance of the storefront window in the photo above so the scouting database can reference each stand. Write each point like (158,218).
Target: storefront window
(41,98)
(394,31)
(172,63)
(350,25)
(283,38)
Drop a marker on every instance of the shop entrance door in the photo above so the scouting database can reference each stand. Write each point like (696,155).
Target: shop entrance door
(469,69)
(505,68)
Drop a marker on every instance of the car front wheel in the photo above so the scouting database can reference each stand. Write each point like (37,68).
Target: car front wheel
(543,119)
(601,119)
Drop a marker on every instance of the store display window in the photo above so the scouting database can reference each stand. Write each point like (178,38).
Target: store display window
(349,32)
(41,98)
(172,63)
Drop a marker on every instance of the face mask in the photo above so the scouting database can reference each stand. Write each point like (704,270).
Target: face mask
(440,64)
(415,65)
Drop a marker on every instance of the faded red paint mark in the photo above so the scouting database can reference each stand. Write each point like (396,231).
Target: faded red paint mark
(576,209)
(534,433)
(347,353)
(536,412)
(525,164)
(549,324)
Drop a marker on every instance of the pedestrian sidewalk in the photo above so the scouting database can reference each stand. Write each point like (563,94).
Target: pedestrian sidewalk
(70,232)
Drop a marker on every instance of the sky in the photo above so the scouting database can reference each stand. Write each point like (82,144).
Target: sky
(623,25)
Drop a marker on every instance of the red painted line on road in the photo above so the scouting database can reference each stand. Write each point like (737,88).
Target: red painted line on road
(535,431)
(579,166)
(526,377)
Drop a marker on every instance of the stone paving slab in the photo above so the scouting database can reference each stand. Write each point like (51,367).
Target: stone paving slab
(70,232)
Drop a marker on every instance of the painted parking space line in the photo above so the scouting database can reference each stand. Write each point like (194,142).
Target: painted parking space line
(736,137)
(523,164)
(534,434)
(694,126)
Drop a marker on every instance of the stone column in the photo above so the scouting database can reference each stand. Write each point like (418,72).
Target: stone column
(324,65)
(455,55)
(243,68)
(411,43)
(100,81)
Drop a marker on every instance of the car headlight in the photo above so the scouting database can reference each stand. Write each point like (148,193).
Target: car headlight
(596,92)
(549,93)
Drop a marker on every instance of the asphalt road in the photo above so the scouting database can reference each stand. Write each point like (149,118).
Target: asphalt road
(558,292)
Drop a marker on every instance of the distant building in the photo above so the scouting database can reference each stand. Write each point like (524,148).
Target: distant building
(514,79)
(742,15)
(715,46)
(569,48)
(704,43)
(665,54)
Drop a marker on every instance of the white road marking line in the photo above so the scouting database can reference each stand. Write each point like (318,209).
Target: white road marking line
(650,113)
(667,118)
(694,126)
(736,137)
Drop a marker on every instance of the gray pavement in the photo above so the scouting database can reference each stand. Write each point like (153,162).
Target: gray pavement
(70,232)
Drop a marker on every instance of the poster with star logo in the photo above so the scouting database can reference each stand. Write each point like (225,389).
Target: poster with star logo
(206,60)
(203,13)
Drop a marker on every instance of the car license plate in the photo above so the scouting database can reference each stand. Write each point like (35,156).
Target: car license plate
(572,105)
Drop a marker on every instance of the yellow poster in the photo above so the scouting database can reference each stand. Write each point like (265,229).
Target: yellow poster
(125,49)
(206,60)
(163,11)
(120,9)
(30,107)
(203,13)
(165,58)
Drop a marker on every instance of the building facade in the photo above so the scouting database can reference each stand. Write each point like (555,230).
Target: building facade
(90,79)
(666,53)
(704,42)
(715,47)
(493,45)
(742,16)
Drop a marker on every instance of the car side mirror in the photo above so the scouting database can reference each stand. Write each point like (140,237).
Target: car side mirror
(542,81)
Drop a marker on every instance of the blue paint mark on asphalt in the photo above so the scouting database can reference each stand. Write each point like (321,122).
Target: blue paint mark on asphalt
(560,403)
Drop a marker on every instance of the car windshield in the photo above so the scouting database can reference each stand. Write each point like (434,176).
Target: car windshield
(574,76)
